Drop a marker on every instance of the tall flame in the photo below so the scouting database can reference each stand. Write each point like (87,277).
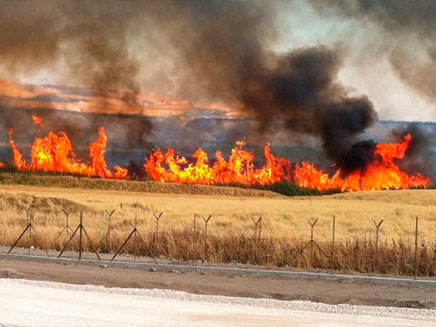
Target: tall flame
(55,153)
(382,173)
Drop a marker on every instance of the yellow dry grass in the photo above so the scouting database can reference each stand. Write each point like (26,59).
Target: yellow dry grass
(282,216)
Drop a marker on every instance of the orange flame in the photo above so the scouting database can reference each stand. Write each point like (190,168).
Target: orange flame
(2,165)
(54,153)
(382,173)
(37,120)
(239,169)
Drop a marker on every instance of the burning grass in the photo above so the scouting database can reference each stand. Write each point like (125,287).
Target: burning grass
(378,170)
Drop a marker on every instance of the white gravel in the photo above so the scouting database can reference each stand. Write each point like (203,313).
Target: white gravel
(35,303)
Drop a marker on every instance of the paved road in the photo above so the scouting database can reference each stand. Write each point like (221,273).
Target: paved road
(34,303)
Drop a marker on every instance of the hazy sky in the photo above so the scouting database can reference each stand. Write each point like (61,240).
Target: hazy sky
(367,44)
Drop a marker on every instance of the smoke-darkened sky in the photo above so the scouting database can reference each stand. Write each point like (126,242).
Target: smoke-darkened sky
(323,69)
(199,50)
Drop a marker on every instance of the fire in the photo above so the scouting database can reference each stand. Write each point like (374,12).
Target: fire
(382,173)
(2,165)
(37,120)
(55,153)
(238,169)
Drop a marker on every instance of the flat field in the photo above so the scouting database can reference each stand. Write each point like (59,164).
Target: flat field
(231,211)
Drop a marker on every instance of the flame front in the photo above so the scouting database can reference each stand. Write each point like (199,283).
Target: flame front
(239,169)
(54,153)
(382,173)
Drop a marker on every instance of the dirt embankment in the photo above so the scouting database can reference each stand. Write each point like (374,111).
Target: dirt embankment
(129,186)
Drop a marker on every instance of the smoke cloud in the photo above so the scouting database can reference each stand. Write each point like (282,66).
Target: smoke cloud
(411,23)
(215,50)
(419,157)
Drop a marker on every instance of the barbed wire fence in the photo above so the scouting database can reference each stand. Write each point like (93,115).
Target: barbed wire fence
(370,254)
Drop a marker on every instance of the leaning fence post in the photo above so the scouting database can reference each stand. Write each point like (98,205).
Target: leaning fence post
(377,228)
(28,213)
(415,263)
(29,222)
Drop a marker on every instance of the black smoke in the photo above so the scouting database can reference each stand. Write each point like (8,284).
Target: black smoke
(419,157)
(215,50)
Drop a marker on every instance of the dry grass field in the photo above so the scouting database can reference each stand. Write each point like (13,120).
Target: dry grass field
(282,216)
(285,225)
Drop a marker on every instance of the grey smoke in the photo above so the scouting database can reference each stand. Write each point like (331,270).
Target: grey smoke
(215,50)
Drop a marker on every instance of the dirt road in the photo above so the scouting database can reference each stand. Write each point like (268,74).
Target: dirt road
(35,303)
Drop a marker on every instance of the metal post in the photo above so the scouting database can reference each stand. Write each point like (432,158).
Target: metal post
(19,238)
(135,240)
(206,222)
(156,234)
(333,241)
(312,242)
(80,236)
(194,236)
(377,228)
(124,243)
(109,226)
(415,264)
(256,237)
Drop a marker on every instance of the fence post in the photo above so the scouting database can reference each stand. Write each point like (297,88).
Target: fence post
(377,228)
(29,222)
(67,227)
(194,236)
(333,241)
(156,233)
(206,222)
(257,233)
(109,225)
(81,229)
(80,235)
(312,226)
(415,264)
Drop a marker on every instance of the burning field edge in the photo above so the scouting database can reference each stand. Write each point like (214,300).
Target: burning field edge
(9,175)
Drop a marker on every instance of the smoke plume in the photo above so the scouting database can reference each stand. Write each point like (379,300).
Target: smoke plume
(216,50)
(411,24)
(419,157)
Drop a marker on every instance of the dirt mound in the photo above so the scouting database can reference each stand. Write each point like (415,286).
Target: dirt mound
(42,205)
